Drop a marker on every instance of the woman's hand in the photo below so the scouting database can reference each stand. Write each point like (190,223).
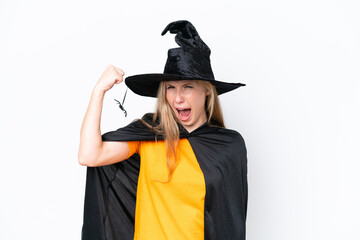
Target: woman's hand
(112,75)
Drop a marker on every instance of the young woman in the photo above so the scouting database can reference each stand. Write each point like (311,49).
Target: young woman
(184,174)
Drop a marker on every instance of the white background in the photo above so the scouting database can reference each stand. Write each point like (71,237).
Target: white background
(299,112)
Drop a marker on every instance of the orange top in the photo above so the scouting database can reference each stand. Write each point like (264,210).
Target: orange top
(172,210)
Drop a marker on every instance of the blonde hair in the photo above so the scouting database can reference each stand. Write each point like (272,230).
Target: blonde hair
(168,122)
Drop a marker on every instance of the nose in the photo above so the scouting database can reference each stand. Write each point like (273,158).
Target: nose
(179,97)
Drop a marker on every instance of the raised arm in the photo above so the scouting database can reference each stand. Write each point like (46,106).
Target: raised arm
(92,150)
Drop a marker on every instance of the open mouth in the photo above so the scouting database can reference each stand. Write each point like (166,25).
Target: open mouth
(184,114)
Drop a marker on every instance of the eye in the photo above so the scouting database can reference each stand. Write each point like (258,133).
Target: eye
(169,87)
(188,86)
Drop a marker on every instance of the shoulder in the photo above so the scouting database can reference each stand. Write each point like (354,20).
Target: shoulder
(230,133)
(235,142)
(231,137)
(219,136)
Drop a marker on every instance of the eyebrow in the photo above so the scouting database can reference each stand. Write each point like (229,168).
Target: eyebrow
(181,85)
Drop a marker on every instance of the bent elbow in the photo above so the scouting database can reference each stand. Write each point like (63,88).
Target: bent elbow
(86,161)
(82,162)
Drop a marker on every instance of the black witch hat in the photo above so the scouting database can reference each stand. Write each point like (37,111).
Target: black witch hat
(191,61)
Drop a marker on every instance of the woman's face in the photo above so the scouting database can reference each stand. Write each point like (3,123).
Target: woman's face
(187,100)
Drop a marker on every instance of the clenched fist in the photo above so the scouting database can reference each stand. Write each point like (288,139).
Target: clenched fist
(112,75)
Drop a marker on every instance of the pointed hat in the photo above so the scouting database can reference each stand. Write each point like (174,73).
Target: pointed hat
(190,61)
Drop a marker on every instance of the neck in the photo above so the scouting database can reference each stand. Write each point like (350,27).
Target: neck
(189,129)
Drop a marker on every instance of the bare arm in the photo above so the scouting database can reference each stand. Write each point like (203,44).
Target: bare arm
(92,150)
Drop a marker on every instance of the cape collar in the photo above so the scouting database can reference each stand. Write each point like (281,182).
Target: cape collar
(204,128)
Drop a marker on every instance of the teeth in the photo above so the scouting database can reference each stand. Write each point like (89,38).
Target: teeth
(181,112)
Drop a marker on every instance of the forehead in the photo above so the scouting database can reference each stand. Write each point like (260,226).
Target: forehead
(182,82)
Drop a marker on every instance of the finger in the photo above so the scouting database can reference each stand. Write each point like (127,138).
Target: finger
(120,71)
(109,66)
(118,81)
(119,77)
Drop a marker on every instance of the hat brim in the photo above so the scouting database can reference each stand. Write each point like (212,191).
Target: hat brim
(148,84)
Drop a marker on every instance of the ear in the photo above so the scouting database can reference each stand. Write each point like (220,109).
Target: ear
(207,93)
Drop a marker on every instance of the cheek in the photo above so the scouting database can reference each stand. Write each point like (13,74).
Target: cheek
(199,102)
(169,99)
(168,96)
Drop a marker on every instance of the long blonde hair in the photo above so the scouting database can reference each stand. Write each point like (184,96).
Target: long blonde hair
(168,124)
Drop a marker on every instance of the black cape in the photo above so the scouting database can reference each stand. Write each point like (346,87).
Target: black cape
(110,196)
